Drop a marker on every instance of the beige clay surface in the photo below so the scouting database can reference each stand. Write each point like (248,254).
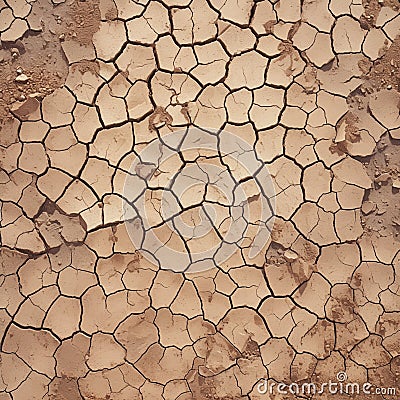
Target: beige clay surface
(308,91)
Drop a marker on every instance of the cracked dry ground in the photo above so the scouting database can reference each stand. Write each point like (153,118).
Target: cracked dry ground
(312,86)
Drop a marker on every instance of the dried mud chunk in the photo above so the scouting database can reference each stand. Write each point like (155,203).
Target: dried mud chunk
(187,301)
(286,177)
(214,305)
(267,106)
(24,109)
(282,70)
(7,18)
(138,61)
(10,260)
(318,340)
(338,262)
(340,307)
(109,39)
(288,11)
(53,183)
(108,312)
(194,25)
(138,101)
(112,108)
(98,175)
(127,9)
(147,27)
(10,296)
(75,52)
(276,355)
(104,352)
(84,83)
(16,30)
(86,122)
(320,53)
(161,365)
(209,108)
(316,224)
(57,107)
(236,11)
(237,40)
(57,228)
(9,132)
(384,106)
(70,160)
(167,52)
(101,241)
(22,235)
(285,278)
(347,35)
(72,203)
(139,274)
(316,181)
(371,279)
(33,158)
(385,249)
(300,145)
(215,361)
(64,386)
(293,117)
(33,131)
(352,172)
(270,143)
(136,334)
(313,294)
(246,70)
(238,104)
(392,28)
(172,329)
(252,328)
(170,89)
(95,385)
(33,310)
(13,185)
(35,387)
(36,348)
(110,272)
(350,334)
(371,353)
(264,17)
(303,367)
(113,143)
(251,286)
(174,390)
(74,282)
(374,44)
(317,14)
(70,309)
(269,45)
(334,107)
(13,371)
(165,288)
(212,61)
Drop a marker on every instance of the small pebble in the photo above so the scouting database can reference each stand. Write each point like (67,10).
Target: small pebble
(22,78)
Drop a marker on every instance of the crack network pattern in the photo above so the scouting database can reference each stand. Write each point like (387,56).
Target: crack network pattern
(87,87)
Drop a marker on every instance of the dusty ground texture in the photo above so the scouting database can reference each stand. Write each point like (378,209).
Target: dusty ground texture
(85,85)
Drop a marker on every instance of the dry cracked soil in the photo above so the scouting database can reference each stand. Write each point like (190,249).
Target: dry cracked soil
(197,196)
